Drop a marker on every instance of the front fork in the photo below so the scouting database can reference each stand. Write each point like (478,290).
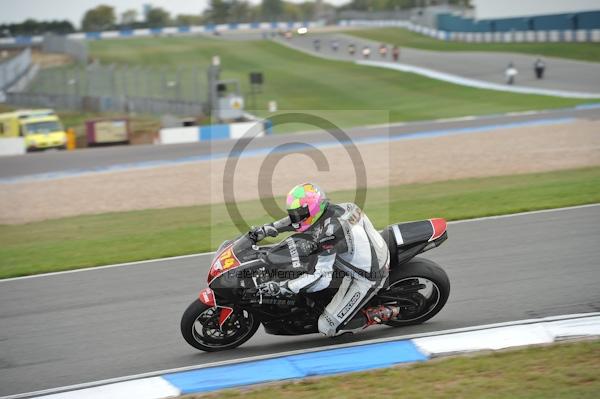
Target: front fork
(207,297)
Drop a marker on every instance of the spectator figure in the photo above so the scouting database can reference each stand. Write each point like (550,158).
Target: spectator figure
(317,44)
(335,45)
(396,53)
(510,73)
(351,49)
(366,52)
(383,50)
(539,67)
(288,34)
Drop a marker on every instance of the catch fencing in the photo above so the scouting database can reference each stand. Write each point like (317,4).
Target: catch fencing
(105,104)
(14,68)
(118,88)
(62,44)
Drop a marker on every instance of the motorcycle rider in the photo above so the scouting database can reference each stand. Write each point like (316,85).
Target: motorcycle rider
(345,240)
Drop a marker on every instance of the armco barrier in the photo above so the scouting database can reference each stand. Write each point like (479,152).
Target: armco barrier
(12,146)
(194,134)
(342,358)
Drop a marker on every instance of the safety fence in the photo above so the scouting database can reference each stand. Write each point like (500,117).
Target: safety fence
(62,44)
(120,88)
(139,105)
(14,68)
(124,81)
(581,35)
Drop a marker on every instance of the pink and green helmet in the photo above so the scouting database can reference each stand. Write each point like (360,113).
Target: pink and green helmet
(305,204)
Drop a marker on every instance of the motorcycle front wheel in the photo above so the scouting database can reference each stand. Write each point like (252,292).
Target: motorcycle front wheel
(200,327)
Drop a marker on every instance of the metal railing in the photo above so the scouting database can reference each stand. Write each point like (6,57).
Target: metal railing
(138,105)
(12,69)
(62,44)
(116,88)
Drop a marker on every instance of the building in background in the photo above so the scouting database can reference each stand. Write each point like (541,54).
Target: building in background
(494,9)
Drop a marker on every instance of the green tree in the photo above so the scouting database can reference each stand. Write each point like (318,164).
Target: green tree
(307,10)
(218,11)
(157,17)
(188,20)
(99,18)
(272,9)
(129,17)
(239,11)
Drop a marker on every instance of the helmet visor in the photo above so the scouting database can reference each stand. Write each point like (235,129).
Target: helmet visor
(297,215)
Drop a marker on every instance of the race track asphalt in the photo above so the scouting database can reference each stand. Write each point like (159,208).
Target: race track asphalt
(77,327)
(53,164)
(561,73)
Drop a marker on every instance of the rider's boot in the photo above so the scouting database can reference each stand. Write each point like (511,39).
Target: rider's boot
(381,314)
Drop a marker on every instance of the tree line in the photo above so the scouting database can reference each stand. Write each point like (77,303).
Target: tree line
(31,27)
(104,17)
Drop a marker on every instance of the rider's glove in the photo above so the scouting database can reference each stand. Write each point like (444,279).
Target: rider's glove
(273,288)
(259,233)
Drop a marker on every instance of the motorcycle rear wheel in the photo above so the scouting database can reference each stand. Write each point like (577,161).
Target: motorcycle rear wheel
(200,328)
(422,281)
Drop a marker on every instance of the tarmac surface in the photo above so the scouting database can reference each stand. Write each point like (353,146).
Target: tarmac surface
(71,328)
(59,163)
(560,74)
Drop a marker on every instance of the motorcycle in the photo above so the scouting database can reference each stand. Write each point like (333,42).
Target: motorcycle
(231,309)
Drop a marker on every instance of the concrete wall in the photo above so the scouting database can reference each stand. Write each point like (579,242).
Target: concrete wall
(12,146)
(194,134)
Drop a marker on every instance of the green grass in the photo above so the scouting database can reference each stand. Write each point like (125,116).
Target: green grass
(83,241)
(298,81)
(567,370)
(406,38)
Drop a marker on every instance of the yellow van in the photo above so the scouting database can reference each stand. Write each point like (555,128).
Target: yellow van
(40,128)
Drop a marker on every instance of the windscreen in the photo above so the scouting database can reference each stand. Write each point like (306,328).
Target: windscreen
(42,127)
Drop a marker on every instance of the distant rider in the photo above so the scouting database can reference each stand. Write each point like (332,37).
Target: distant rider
(345,240)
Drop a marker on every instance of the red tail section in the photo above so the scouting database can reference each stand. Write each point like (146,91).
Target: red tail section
(439,227)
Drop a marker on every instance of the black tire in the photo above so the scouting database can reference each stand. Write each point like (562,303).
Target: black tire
(189,331)
(420,268)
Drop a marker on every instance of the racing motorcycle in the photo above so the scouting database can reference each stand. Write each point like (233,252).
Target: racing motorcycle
(230,310)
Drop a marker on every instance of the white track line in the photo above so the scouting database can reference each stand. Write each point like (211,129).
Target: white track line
(87,269)
(298,351)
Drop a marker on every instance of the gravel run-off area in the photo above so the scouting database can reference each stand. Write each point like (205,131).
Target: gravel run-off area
(500,152)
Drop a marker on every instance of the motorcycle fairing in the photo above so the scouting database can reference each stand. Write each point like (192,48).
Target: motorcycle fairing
(422,231)
(225,259)
(406,240)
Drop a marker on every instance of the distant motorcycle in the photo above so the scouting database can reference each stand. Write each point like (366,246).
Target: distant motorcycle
(230,310)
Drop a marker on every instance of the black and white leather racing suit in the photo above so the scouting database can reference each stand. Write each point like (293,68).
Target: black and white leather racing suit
(346,241)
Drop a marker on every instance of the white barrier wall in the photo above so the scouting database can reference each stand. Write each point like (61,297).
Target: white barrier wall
(238,130)
(592,35)
(177,135)
(12,146)
(194,134)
